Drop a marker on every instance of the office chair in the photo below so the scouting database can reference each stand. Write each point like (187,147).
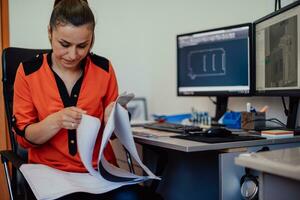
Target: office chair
(11,58)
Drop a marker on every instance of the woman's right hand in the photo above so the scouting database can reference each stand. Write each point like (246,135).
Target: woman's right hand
(68,118)
(41,132)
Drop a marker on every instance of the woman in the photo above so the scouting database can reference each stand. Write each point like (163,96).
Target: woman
(53,90)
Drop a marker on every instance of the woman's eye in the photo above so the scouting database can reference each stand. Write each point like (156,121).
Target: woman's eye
(64,45)
(82,46)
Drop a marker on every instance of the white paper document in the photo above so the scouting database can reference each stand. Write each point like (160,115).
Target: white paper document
(49,183)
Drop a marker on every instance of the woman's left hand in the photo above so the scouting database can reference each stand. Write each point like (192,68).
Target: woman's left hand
(107,111)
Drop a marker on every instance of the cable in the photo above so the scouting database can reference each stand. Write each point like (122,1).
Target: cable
(211,99)
(214,102)
(273,120)
(286,111)
(277,121)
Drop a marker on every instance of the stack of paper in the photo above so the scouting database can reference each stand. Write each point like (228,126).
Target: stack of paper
(277,133)
(50,183)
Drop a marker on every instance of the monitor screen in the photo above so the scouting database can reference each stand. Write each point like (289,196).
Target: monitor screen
(277,45)
(215,62)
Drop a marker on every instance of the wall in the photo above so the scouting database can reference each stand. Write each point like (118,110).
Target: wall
(139,37)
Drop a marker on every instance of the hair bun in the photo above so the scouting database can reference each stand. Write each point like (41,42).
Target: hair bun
(58,1)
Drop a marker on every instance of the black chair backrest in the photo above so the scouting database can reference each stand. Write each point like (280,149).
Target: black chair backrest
(11,58)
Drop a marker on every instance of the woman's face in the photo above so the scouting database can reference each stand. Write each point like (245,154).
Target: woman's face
(70,44)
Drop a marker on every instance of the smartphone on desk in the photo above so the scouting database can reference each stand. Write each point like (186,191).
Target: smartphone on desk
(140,123)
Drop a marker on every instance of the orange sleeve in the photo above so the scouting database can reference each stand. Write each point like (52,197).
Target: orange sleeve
(112,90)
(24,111)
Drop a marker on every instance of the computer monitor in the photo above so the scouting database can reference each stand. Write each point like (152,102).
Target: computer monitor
(277,66)
(216,62)
(277,42)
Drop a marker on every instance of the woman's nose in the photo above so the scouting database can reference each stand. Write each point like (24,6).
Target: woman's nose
(72,53)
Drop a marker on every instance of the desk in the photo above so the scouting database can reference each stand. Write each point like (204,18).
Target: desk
(196,170)
(280,172)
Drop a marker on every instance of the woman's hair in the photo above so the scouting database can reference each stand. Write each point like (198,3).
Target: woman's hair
(75,12)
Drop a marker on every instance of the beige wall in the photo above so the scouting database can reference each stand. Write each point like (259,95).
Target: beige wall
(139,37)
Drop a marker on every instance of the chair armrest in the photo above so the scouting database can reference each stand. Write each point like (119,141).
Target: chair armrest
(9,155)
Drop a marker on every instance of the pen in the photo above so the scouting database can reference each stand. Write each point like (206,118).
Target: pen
(264,109)
(248,107)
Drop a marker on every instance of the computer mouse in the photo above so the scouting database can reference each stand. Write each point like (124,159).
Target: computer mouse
(218,132)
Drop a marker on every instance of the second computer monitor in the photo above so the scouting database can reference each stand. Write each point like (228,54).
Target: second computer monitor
(277,43)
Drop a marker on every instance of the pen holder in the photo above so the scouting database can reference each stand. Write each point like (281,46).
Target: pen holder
(252,120)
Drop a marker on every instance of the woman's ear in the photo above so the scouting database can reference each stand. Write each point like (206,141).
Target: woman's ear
(92,42)
(50,34)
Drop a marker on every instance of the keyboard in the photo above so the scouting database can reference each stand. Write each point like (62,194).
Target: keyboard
(176,128)
(209,139)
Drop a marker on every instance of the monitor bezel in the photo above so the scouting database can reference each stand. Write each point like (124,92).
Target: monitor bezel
(293,92)
(221,93)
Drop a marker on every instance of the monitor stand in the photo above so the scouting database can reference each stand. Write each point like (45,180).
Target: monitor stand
(221,107)
(292,114)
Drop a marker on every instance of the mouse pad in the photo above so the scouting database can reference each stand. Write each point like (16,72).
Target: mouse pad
(205,139)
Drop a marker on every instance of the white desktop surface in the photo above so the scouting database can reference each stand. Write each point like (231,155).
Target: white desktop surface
(202,169)
(283,162)
(191,146)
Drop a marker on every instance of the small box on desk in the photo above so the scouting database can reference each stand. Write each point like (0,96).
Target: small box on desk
(252,120)
(232,120)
